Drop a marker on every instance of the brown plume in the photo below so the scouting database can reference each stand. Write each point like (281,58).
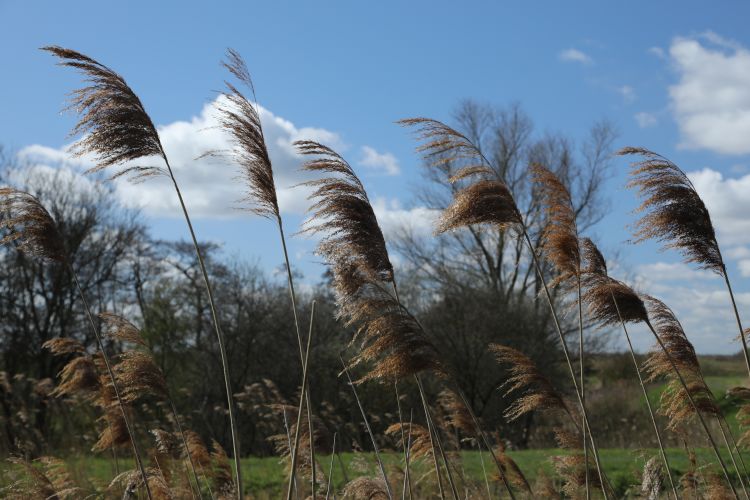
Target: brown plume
(421,445)
(607,299)
(29,225)
(80,375)
(484,202)
(593,260)
(675,404)
(113,123)
(391,339)
(538,393)
(441,144)
(222,472)
(560,235)
(138,375)
(366,488)
(456,413)
(674,212)
(121,329)
(241,120)
(343,212)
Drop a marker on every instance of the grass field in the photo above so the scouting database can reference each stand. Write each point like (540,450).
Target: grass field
(265,477)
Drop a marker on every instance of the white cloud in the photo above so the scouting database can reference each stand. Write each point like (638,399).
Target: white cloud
(645,119)
(627,92)
(674,271)
(209,185)
(575,55)
(394,218)
(728,202)
(384,162)
(658,52)
(700,301)
(711,101)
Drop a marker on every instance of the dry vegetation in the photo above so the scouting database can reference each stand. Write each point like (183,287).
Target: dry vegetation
(122,381)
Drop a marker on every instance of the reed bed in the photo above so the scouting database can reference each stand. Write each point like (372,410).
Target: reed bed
(389,345)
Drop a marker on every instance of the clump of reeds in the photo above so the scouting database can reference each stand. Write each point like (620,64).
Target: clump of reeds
(675,215)
(487,200)
(33,228)
(116,130)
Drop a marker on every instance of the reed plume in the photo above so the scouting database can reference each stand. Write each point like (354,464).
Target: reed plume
(607,299)
(138,373)
(651,479)
(687,395)
(240,119)
(675,215)
(366,488)
(49,477)
(342,211)
(538,394)
(560,245)
(35,231)
(30,226)
(116,130)
(484,201)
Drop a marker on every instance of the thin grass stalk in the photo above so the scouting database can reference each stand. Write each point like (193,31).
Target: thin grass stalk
(297,425)
(583,390)
(434,452)
(737,317)
(293,298)
(330,470)
(184,442)
(486,442)
(484,471)
(407,479)
(438,440)
(289,446)
(695,407)
(648,403)
(731,456)
(566,352)
(723,421)
(108,364)
(369,431)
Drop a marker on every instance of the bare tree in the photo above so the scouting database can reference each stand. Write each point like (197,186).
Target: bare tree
(493,266)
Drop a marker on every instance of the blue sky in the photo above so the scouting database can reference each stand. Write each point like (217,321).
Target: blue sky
(673,77)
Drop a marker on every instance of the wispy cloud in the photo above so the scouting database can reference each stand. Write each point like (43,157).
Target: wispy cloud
(711,100)
(210,184)
(645,119)
(575,55)
(627,92)
(383,162)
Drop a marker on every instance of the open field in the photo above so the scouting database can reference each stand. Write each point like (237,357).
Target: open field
(266,477)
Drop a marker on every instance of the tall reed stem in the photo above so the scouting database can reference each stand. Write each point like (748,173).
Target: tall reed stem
(737,317)
(434,428)
(407,479)
(219,335)
(289,446)
(299,408)
(566,352)
(108,364)
(407,458)
(330,470)
(369,431)
(583,391)
(293,298)
(184,442)
(695,407)
(645,396)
